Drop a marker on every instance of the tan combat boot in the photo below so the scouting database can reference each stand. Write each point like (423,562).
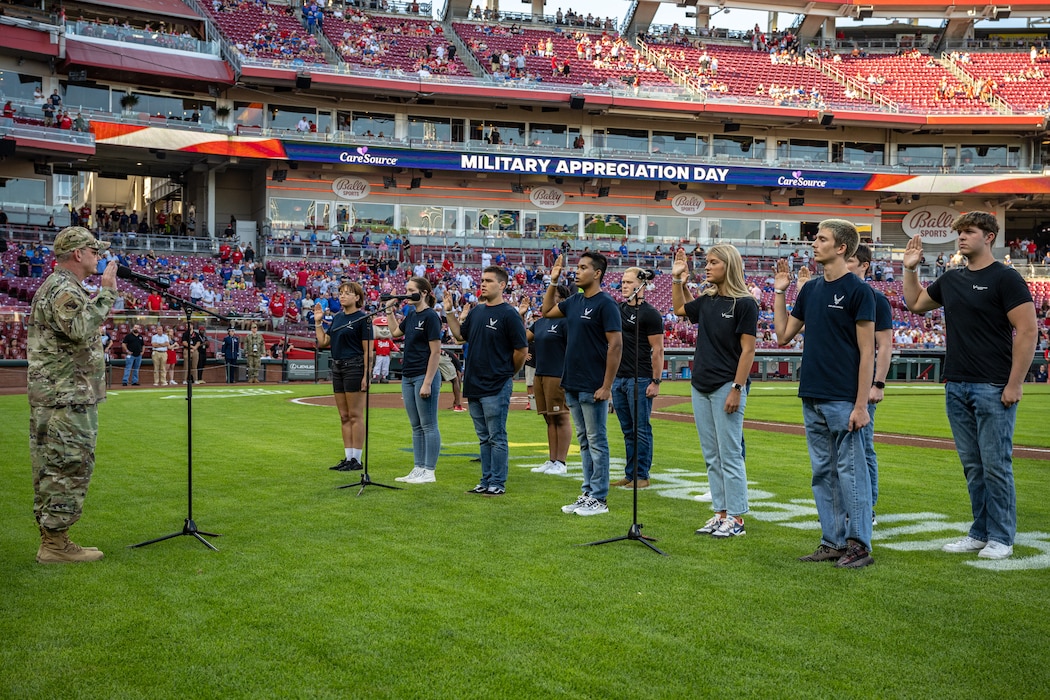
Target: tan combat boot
(56,548)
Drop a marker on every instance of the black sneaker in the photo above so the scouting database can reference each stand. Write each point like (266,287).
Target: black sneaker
(824,553)
(856,557)
(480,488)
(494,491)
(341,467)
(351,465)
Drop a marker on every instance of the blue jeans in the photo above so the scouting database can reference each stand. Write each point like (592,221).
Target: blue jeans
(423,417)
(131,368)
(870,457)
(630,413)
(721,436)
(984,430)
(590,416)
(490,423)
(840,473)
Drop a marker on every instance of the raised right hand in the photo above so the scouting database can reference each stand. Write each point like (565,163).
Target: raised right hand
(680,267)
(109,275)
(557,268)
(913,252)
(782,278)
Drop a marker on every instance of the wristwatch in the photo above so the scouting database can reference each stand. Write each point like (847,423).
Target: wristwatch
(737,387)
(658,381)
(879,385)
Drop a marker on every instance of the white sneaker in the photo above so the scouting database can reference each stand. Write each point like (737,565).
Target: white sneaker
(703,498)
(414,474)
(172,382)
(996,550)
(578,503)
(543,467)
(558,468)
(592,507)
(425,477)
(710,526)
(966,544)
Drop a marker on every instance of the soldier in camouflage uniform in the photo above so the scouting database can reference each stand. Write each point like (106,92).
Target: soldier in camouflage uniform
(254,349)
(66,382)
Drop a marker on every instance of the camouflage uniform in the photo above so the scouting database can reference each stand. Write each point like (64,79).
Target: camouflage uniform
(66,382)
(254,348)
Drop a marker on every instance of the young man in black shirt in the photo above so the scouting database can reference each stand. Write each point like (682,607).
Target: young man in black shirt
(497,341)
(638,318)
(991,334)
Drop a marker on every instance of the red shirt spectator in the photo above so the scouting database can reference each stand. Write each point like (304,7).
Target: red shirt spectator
(447,265)
(277,305)
(237,256)
(302,278)
(154,302)
(208,268)
(224,252)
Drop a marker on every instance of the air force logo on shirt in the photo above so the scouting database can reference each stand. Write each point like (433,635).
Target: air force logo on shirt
(419,326)
(837,304)
(631,318)
(727,314)
(492,324)
(587,313)
(553,328)
(979,288)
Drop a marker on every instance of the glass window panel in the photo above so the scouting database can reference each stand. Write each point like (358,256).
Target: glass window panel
(15,86)
(452,222)
(422,220)
(248,113)
(661,229)
(430,128)
(806,149)
(285,117)
(558,224)
(505,132)
(366,123)
(785,230)
(677,143)
(627,140)
(736,146)
(739,229)
(372,216)
(529,224)
(988,156)
(605,226)
(77,97)
(289,213)
(552,135)
(864,153)
(920,156)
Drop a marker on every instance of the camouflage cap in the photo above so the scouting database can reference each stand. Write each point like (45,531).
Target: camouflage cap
(77,237)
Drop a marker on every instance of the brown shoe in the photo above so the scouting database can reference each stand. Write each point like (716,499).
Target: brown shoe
(620,482)
(824,553)
(642,484)
(56,548)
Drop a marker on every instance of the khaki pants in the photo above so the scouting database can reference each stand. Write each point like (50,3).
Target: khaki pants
(160,366)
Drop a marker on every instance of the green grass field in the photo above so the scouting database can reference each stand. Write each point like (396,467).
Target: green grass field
(432,593)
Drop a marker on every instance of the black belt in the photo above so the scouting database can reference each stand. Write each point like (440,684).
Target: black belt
(350,363)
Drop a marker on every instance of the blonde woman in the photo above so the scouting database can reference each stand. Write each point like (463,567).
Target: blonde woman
(727,324)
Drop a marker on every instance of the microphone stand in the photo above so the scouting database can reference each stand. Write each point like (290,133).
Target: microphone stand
(189,527)
(365,479)
(635,531)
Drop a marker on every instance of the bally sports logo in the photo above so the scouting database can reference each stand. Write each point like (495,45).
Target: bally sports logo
(934,224)
(351,187)
(688,204)
(547,197)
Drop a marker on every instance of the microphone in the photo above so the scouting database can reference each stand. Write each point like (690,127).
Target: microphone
(127,273)
(401,297)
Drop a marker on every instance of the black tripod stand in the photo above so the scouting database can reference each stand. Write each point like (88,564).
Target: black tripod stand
(365,479)
(189,527)
(635,531)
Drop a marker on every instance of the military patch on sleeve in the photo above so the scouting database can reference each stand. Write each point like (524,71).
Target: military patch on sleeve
(68,305)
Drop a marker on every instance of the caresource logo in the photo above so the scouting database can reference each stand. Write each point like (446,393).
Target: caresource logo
(796,180)
(362,157)
(351,187)
(688,204)
(934,224)
(547,197)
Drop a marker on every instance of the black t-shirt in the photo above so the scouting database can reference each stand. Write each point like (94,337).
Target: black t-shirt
(647,321)
(134,343)
(720,321)
(549,338)
(883,312)
(830,354)
(979,337)
(493,334)
(420,328)
(347,332)
(586,349)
